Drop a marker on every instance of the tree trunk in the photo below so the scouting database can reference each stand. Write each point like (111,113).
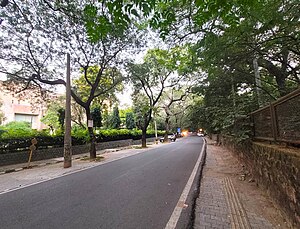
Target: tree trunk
(146,121)
(92,135)
(167,123)
(280,80)
(279,74)
(144,141)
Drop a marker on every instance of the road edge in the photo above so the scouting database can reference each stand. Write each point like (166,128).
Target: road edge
(183,197)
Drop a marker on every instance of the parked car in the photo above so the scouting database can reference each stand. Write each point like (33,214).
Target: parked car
(200,134)
(171,137)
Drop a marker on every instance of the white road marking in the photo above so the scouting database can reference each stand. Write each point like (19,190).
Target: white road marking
(181,202)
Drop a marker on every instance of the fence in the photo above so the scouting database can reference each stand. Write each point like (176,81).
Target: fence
(280,121)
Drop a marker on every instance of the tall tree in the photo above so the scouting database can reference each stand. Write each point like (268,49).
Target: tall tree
(130,123)
(115,121)
(97,117)
(169,99)
(45,31)
(150,79)
(52,117)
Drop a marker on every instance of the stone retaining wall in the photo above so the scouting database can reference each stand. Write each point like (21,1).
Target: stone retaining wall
(42,154)
(276,169)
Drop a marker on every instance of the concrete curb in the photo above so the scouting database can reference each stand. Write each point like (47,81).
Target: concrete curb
(172,223)
(197,191)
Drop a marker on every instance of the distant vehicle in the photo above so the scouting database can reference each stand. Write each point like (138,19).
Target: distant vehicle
(171,137)
(184,133)
(200,134)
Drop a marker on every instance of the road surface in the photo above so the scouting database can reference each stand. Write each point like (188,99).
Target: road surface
(139,191)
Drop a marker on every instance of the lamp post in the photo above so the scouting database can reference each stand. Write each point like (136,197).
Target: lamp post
(67,139)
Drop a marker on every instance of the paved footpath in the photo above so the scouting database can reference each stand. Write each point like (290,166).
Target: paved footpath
(227,201)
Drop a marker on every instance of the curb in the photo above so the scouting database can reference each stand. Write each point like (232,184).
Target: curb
(77,157)
(197,191)
(30,167)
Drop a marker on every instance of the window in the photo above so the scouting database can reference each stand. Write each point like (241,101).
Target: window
(27,118)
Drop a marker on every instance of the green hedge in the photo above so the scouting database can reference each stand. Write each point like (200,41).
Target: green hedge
(79,137)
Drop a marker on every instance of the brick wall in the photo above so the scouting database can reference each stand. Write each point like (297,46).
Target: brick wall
(22,157)
(276,169)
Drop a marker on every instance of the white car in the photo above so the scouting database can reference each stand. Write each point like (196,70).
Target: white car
(171,137)
(200,134)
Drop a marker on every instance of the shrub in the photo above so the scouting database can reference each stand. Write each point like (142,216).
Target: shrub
(80,133)
(18,130)
(80,136)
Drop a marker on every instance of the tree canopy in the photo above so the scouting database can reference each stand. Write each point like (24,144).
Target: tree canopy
(244,53)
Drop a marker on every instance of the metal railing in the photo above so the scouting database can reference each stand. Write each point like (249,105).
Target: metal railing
(280,121)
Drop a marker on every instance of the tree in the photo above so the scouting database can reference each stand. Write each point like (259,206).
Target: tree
(78,115)
(169,99)
(130,123)
(54,117)
(150,79)
(44,36)
(61,118)
(105,89)
(96,116)
(115,120)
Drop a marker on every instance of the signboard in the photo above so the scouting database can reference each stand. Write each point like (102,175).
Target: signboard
(90,123)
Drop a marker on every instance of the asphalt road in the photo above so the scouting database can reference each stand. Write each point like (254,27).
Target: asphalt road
(139,191)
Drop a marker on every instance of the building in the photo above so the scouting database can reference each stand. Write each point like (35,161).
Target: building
(26,106)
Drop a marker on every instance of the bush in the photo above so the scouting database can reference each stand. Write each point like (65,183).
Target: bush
(80,136)
(14,130)
(80,133)
(113,134)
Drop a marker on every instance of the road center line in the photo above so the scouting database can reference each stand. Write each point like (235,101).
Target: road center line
(180,204)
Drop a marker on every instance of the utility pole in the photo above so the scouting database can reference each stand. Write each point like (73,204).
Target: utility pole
(67,139)
(155,127)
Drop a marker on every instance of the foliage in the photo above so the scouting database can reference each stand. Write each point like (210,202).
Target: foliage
(53,29)
(96,116)
(109,83)
(222,108)
(140,109)
(61,117)
(130,122)
(54,117)
(80,136)
(17,129)
(80,133)
(120,134)
(150,79)
(115,120)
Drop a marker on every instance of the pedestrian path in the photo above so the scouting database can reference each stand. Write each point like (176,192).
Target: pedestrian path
(225,201)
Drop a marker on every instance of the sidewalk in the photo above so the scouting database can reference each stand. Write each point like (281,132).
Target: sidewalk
(228,199)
